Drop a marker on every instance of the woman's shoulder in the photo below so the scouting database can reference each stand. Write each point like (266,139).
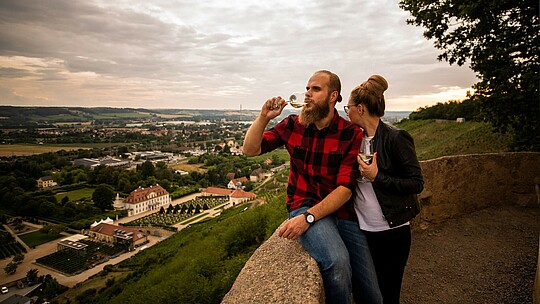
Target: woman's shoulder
(396,133)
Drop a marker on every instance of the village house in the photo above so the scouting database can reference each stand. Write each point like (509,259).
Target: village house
(257,175)
(215,191)
(125,237)
(236,196)
(237,183)
(46,182)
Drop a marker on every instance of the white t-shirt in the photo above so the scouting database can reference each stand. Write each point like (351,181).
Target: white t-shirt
(368,209)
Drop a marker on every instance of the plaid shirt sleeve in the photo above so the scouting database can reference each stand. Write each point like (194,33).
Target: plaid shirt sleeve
(348,170)
(348,174)
(274,138)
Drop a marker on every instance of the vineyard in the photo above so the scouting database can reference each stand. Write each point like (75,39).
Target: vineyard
(9,246)
(70,263)
(174,215)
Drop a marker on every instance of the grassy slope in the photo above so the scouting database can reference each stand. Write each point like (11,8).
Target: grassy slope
(442,138)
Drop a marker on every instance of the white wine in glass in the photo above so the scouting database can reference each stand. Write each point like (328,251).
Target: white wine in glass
(297,100)
(366,154)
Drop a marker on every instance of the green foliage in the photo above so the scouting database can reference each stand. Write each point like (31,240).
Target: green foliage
(434,139)
(76,195)
(32,275)
(183,192)
(39,237)
(10,268)
(451,110)
(18,258)
(103,197)
(500,40)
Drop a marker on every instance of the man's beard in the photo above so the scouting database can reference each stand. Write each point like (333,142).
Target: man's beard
(315,113)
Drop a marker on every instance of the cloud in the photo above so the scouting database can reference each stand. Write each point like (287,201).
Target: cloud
(208,54)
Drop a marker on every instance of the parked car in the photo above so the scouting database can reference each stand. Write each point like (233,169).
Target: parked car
(4,290)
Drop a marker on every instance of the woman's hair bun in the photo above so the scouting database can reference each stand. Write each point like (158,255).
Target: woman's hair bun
(376,84)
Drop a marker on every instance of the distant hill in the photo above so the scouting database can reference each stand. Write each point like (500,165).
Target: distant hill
(44,116)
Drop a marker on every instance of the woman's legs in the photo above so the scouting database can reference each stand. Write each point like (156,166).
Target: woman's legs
(390,252)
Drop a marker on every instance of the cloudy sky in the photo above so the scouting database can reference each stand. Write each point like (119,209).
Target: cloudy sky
(212,54)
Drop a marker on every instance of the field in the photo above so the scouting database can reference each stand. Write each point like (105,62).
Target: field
(37,238)
(76,195)
(25,150)
(189,168)
(29,149)
(434,139)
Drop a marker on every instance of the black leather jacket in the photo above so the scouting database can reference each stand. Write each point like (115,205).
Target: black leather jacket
(399,179)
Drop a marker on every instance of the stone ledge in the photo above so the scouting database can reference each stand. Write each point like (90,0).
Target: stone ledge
(279,271)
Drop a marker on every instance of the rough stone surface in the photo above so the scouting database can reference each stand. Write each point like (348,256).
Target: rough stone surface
(279,271)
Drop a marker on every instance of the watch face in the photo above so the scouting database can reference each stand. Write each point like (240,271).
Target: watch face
(310,218)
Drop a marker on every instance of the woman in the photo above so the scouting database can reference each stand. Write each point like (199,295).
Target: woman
(385,199)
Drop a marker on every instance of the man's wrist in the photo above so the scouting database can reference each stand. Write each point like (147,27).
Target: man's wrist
(310,218)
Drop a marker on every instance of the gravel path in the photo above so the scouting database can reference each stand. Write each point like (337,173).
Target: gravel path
(488,256)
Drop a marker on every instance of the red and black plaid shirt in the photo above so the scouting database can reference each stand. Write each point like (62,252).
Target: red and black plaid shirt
(321,160)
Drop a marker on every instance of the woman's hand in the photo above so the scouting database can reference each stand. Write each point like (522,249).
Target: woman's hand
(370,170)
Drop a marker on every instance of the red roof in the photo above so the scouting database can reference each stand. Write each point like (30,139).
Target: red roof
(108,229)
(141,194)
(239,193)
(218,191)
(240,179)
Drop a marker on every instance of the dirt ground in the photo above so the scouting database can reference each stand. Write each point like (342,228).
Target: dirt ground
(489,256)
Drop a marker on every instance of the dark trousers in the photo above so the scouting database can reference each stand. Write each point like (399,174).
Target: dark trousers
(390,251)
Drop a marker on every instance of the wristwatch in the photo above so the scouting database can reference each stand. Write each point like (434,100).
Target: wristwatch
(310,218)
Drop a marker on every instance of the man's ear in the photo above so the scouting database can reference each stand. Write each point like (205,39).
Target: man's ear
(334,95)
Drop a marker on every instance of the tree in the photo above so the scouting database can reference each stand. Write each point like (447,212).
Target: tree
(147,169)
(18,258)
(32,275)
(10,268)
(500,39)
(103,197)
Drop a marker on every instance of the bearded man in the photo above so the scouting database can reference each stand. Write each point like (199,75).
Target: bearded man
(323,148)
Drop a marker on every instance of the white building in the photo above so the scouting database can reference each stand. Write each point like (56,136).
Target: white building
(146,199)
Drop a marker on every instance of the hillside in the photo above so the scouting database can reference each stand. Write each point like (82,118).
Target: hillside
(436,138)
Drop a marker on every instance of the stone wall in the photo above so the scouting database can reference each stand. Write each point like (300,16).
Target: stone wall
(281,271)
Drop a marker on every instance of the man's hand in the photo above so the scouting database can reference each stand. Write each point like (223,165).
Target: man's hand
(294,227)
(273,107)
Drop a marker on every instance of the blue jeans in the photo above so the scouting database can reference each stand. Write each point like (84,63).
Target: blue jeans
(323,243)
(364,277)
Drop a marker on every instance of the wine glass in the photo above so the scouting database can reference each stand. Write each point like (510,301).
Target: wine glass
(296,100)
(366,154)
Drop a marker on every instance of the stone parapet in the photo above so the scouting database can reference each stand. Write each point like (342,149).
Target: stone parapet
(280,271)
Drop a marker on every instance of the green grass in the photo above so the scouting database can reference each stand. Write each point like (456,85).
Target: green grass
(76,195)
(193,219)
(37,238)
(282,154)
(444,138)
